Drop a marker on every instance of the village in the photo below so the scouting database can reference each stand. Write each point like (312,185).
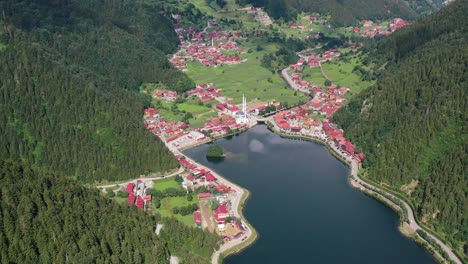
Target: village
(211,47)
(211,201)
(367,28)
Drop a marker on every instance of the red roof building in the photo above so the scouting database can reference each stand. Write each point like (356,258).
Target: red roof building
(197,218)
(150,111)
(203,195)
(140,203)
(131,200)
(210,177)
(223,188)
(361,156)
(349,147)
(129,188)
(221,213)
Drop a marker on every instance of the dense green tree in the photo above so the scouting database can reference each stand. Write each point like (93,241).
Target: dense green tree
(69,78)
(345,12)
(412,125)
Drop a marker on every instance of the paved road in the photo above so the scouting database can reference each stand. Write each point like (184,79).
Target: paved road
(412,221)
(144,179)
(354,164)
(291,84)
(235,204)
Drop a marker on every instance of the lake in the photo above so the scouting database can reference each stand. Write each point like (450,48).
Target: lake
(303,207)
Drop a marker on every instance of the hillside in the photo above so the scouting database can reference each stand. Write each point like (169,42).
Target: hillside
(48,218)
(342,12)
(69,72)
(412,123)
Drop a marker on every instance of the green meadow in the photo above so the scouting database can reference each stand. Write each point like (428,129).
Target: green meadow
(248,78)
(341,73)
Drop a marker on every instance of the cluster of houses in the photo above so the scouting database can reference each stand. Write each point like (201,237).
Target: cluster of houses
(314,60)
(220,126)
(206,47)
(158,124)
(230,229)
(178,133)
(136,195)
(206,92)
(324,103)
(166,95)
(398,23)
(297,121)
(369,31)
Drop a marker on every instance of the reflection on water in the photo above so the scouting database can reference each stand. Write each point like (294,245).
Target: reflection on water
(303,207)
(256,146)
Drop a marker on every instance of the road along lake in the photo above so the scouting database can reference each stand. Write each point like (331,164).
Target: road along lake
(303,207)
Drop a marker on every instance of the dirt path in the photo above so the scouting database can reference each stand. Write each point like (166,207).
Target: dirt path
(206,215)
(323,72)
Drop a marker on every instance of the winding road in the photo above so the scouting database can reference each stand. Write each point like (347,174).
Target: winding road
(354,165)
(412,221)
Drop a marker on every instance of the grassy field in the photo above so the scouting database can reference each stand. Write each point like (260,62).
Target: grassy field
(162,185)
(341,74)
(248,78)
(199,112)
(313,75)
(170,202)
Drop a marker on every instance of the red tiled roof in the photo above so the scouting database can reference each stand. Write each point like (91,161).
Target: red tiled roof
(203,195)
(210,177)
(140,203)
(222,209)
(130,187)
(197,217)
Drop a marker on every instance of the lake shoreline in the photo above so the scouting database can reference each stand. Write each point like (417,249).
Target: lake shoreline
(353,180)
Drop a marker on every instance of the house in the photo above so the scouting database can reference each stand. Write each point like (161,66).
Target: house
(210,177)
(203,195)
(130,188)
(316,103)
(349,147)
(361,156)
(131,199)
(223,188)
(149,112)
(197,135)
(197,218)
(140,203)
(221,213)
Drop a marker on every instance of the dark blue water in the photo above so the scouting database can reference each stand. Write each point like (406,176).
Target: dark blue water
(303,207)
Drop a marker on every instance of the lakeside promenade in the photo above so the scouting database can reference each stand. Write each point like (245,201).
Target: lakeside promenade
(236,205)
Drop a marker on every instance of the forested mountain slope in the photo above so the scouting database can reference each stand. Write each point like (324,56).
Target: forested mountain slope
(69,72)
(47,218)
(342,12)
(412,124)
(52,219)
